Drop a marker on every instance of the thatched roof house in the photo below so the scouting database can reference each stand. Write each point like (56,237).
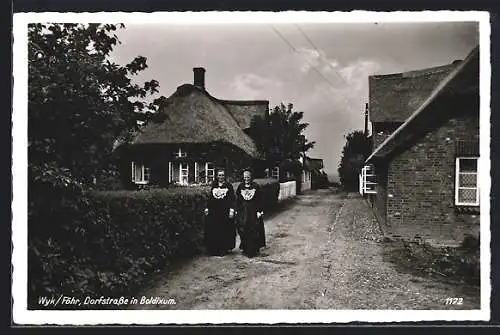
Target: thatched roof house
(423,178)
(394,97)
(191,115)
(192,134)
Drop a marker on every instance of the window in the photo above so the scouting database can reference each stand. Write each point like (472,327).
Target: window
(367,180)
(209,172)
(180,153)
(183,173)
(275,172)
(140,173)
(466,182)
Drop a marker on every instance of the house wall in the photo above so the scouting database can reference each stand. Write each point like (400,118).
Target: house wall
(157,158)
(305,183)
(381,131)
(379,199)
(421,184)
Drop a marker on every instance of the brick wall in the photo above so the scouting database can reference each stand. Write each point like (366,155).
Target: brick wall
(379,200)
(378,139)
(382,130)
(421,185)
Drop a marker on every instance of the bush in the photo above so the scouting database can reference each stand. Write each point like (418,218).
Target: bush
(107,243)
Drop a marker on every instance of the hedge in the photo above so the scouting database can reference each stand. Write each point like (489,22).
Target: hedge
(270,192)
(108,243)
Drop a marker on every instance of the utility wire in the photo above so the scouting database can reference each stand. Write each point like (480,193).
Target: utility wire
(324,59)
(312,66)
(295,50)
(319,53)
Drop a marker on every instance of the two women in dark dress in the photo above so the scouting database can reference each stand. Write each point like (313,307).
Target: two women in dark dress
(223,204)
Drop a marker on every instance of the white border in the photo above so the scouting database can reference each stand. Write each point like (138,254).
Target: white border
(19,205)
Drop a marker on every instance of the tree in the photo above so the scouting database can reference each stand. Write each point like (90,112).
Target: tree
(79,101)
(280,138)
(354,153)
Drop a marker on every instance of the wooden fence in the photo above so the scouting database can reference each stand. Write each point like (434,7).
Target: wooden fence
(287,190)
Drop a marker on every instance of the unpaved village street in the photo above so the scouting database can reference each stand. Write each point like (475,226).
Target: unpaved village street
(324,251)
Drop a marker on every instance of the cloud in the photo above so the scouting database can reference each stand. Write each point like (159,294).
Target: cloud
(346,98)
(356,73)
(249,86)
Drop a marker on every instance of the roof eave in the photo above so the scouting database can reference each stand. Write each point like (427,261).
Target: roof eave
(385,147)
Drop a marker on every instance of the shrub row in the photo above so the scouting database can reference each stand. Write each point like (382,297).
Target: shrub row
(107,243)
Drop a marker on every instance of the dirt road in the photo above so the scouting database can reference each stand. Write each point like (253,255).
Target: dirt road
(324,252)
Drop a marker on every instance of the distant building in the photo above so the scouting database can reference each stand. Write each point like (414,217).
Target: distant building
(422,176)
(312,176)
(192,135)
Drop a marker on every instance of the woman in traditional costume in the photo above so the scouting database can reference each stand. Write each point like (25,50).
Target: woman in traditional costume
(220,230)
(250,215)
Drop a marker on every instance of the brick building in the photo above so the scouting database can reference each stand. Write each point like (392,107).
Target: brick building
(422,176)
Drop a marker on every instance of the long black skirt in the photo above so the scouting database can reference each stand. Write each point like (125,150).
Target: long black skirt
(251,231)
(220,233)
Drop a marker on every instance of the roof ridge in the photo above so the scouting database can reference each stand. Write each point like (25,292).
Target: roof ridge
(417,72)
(206,93)
(245,102)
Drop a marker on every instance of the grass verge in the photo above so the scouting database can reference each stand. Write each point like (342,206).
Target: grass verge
(454,265)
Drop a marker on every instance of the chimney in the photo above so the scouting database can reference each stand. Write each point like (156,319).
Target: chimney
(366,120)
(199,77)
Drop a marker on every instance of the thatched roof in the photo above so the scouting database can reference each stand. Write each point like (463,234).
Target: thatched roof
(463,79)
(394,97)
(191,115)
(245,111)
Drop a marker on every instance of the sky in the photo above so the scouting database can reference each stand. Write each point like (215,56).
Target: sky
(321,68)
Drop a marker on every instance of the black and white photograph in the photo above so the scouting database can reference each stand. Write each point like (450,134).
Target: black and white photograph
(244,167)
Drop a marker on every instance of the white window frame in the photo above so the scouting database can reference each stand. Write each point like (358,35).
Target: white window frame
(169,172)
(211,170)
(196,177)
(145,173)
(365,173)
(180,153)
(360,182)
(275,172)
(183,172)
(457,181)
